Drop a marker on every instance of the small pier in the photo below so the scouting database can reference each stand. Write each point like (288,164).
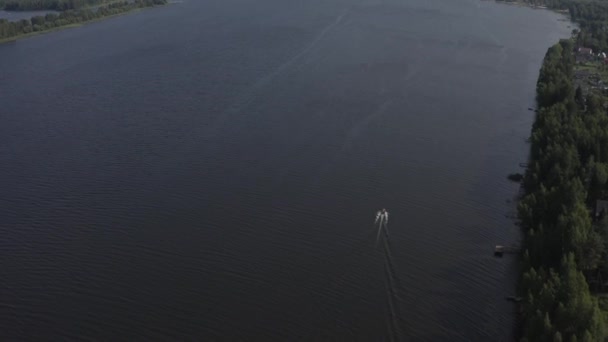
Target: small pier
(514,299)
(499,250)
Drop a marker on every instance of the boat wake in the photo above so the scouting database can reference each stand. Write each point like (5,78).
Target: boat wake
(390,279)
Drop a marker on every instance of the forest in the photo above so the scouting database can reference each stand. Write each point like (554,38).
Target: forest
(564,248)
(56,5)
(565,258)
(13,29)
(565,245)
(564,275)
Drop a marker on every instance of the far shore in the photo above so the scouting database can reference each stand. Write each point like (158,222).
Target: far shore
(525,4)
(54,29)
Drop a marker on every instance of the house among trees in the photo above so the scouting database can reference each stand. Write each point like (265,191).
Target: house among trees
(584,54)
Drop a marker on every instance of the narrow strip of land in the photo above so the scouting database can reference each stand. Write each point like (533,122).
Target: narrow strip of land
(70,15)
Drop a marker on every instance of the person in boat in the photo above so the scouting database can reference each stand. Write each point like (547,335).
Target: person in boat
(382,215)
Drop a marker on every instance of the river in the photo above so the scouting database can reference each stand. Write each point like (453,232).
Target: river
(212,169)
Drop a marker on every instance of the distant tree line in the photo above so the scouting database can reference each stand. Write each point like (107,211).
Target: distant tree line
(57,5)
(10,29)
(567,173)
(591,16)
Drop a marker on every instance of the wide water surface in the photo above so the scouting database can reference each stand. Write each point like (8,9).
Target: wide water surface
(211,170)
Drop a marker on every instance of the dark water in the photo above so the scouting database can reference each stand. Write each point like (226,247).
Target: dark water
(211,170)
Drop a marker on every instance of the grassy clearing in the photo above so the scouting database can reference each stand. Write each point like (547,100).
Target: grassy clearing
(594,67)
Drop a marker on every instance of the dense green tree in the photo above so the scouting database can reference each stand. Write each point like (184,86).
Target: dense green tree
(557,337)
(567,172)
(579,98)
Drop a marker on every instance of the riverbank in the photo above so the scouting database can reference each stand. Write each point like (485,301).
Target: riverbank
(520,3)
(13,31)
(523,3)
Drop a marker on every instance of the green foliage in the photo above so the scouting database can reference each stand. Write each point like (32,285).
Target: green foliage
(56,5)
(10,29)
(567,173)
(557,337)
(560,305)
(579,98)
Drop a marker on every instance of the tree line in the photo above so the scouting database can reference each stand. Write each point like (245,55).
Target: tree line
(567,173)
(56,5)
(565,254)
(591,16)
(10,29)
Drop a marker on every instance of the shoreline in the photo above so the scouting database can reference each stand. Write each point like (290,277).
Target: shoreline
(522,318)
(520,3)
(550,270)
(14,39)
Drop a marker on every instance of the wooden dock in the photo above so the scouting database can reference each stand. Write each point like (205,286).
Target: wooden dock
(514,299)
(500,250)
